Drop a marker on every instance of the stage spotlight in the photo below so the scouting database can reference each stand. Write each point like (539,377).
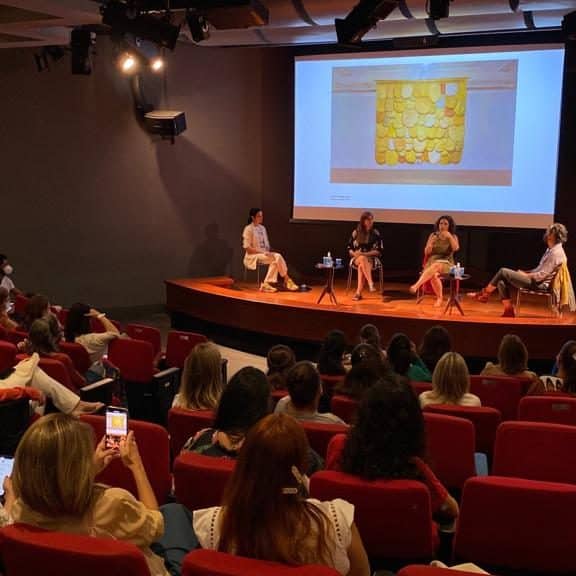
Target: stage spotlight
(361,19)
(128,63)
(157,64)
(198,26)
(438,9)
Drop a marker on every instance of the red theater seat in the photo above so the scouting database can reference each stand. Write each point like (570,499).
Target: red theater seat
(536,451)
(178,346)
(450,448)
(420,387)
(319,435)
(556,409)
(344,407)
(8,353)
(146,333)
(199,480)
(154,449)
(16,336)
(430,571)
(500,392)
(510,524)
(28,551)
(182,424)
(486,421)
(212,563)
(393,516)
(78,354)
(329,382)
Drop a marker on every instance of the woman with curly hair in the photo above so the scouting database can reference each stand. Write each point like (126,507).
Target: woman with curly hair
(388,441)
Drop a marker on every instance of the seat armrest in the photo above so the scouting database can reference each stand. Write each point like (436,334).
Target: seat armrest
(98,384)
(165,373)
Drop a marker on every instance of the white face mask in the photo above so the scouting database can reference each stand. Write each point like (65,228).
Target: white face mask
(7,269)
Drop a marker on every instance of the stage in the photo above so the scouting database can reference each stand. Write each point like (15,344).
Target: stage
(296,316)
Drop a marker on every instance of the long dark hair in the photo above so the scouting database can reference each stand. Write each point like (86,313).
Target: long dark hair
(567,361)
(280,359)
(451,223)
(331,353)
(36,307)
(252,213)
(77,323)
(435,344)
(371,335)
(362,235)
(400,353)
(388,435)
(363,376)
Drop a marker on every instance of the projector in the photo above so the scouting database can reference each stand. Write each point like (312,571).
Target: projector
(231,14)
(167,123)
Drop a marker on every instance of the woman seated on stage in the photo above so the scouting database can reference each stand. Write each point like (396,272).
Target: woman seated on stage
(255,242)
(539,278)
(201,384)
(267,515)
(513,361)
(388,441)
(450,383)
(438,256)
(565,378)
(364,245)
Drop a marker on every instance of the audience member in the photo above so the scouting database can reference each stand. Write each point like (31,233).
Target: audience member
(513,361)
(28,373)
(369,334)
(365,352)
(201,384)
(41,341)
(6,271)
(435,344)
(404,360)
(266,513)
(53,487)
(5,306)
(450,383)
(388,441)
(38,306)
(565,378)
(363,375)
(244,401)
(78,329)
(332,353)
(280,359)
(304,389)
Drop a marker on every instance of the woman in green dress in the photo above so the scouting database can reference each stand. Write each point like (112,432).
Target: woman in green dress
(438,256)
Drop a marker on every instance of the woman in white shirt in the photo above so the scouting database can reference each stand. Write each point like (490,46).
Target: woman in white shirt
(450,383)
(290,528)
(257,246)
(78,329)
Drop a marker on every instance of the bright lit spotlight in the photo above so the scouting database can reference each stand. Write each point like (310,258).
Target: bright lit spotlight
(157,64)
(128,63)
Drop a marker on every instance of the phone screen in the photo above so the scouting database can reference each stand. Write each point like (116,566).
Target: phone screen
(116,426)
(6,464)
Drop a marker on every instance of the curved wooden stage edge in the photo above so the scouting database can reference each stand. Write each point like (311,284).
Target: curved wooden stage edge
(224,302)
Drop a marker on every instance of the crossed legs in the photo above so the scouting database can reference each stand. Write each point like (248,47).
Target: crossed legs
(364,266)
(430,274)
(502,280)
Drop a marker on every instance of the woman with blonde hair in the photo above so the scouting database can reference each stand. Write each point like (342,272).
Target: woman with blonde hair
(201,384)
(53,487)
(450,383)
(268,485)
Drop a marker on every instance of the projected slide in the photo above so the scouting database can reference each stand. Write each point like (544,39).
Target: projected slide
(419,134)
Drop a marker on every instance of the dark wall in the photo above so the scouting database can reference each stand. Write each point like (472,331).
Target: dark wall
(93,208)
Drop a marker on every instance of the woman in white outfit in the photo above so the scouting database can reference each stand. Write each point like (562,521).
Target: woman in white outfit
(27,373)
(257,246)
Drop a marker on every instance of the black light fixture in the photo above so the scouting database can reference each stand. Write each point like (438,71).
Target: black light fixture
(361,19)
(438,9)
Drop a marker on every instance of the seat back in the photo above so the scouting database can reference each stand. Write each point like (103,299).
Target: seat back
(554,408)
(500,392)
(329,382)
(277,395)
(146,333)
(16,336)
(155,452)
(344,407)
(536,451)
(14,421)
(78,354)
(98,327)
(393,516)
(178,346)
(319,435)
(213,563)
(451,445)
(182,424)
(420,387)
(26,550)
(134,359)
(199,481)
(521,525)
(8,353)
(20,303)
(486,421)
(55,369)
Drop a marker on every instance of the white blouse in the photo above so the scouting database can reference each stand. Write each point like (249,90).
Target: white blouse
(340,513)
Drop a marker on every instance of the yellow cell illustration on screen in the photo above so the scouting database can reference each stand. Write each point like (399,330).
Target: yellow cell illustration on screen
(420,121)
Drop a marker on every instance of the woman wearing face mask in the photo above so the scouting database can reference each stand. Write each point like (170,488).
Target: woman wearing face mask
(5,271)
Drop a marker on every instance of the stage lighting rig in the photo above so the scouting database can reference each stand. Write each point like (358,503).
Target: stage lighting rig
(438,9)
(362,18)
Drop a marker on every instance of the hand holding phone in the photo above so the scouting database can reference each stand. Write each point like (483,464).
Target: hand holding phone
(6,465)
(116,426)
